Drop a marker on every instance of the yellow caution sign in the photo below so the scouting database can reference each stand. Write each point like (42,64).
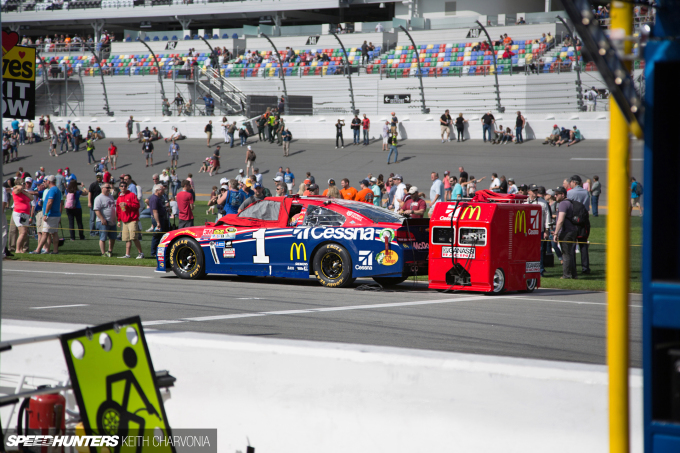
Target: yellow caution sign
(114,384)
(18,78)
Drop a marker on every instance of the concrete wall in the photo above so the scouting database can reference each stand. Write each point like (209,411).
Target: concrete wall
(297,396)
(431,9)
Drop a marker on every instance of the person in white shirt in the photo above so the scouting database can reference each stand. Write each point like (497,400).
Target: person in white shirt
(379,28)
(591,99)
(174,136)
(399,194)
(512,187)
(258,175)
(495,182)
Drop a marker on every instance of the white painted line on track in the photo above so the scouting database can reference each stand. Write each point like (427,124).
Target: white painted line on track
(59,306)
(73,273)
(600,158)
(155,323)
(575,302)
(318,310)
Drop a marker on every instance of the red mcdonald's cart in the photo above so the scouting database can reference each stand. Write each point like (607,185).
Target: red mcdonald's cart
(491,243)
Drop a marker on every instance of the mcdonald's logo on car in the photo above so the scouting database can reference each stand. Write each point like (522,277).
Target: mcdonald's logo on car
(471,210)
(297,247)
(520,222)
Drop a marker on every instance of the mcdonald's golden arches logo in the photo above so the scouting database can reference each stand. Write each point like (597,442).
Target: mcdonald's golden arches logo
(471,210)
(297,247)
(520,222)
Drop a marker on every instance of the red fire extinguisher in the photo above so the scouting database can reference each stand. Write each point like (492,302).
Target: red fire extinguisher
(45,415)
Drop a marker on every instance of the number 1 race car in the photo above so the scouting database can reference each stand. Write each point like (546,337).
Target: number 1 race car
(333,239)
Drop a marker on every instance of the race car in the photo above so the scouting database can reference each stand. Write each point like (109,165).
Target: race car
(335,240)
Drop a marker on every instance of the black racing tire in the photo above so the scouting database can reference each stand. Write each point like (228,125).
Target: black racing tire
(332,266)
(389,281)
(186,259)
(109,419)
(532,283)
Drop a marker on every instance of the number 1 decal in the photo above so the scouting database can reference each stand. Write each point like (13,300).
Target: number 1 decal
(260,258)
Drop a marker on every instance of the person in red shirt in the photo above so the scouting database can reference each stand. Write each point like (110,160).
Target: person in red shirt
(185,205)
(113,155)
(415,206)
(365,195)
(484,46)
(347,192)
(508,53)
(127,212)
(366,124)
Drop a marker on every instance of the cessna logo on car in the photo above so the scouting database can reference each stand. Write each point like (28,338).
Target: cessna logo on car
(534,222)
(365,261)
(470,211)
(297,247)
(353,234)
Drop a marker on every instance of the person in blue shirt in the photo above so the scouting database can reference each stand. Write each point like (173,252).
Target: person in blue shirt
(246,189)
(457,189)
(51,216)
(635,198)
(289,179)
(75,138)
(15,126)
(209,105)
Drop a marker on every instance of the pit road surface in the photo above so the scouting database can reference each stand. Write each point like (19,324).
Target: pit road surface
(546,324)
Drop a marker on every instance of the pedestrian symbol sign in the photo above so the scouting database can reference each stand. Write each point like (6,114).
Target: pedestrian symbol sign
(114,384)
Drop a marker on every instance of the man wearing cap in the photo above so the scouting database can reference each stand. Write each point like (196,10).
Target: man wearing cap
(565,231)
(591,99)
(104,207)
(348,192)
(230,199)
(313,189)
(240,178)
(365,195)
(127,211)
(377,191)
(257,196)
(147,150)
(93,192)
(287,137)
(307,183)
(534,193)
(399,191)
(553,137)
(278,180)
(564,137)
(415,206)
(578,193)
(52,208)
(289,179)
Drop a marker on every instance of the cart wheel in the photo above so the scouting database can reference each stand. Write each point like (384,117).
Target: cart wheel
(498,281)
(109,419)
(333,266)
(531,285)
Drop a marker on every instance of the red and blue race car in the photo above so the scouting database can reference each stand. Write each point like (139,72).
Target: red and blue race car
(335,240)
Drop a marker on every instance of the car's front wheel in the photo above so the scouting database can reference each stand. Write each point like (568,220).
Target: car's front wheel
(332,266)
(186,259)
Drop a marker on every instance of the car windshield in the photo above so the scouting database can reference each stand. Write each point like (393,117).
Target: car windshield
(263,210)
(375,213)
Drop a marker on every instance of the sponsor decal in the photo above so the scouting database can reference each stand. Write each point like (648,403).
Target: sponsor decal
(520,222)
(231,230)
(533,266)
(189,232)
(220,244)
(207,232)
(291,268)
(354,215)
(365,261)
(387,258)
(302,268)
(458,252)
(352,234)
(387,233)
(449,212)
(222,236)
(470,211)
(229,252)
(421,245)
(229,233)
(534,223)
(160,252)
(298,247)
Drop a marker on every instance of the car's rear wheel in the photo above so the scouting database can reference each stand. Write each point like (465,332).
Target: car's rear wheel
(498,281)
(389,281)
(187,259)
(332,266)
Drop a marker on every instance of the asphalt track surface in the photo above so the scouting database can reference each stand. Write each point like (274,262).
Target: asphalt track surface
(546,324)
(529,163)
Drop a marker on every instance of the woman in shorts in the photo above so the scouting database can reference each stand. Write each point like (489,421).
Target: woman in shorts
(21,216)
(447,186)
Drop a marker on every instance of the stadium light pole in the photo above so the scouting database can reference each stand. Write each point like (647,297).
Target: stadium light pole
(424,109)
(349,74)
(101,74)
(495,69)
(579,88)
(283,77)
(160,78)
